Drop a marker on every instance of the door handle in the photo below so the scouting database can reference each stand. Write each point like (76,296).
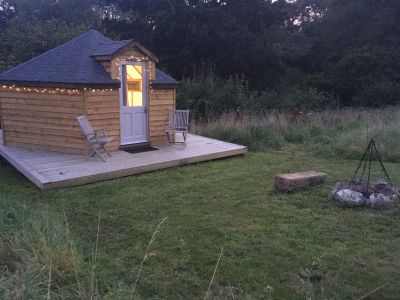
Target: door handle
(145,109)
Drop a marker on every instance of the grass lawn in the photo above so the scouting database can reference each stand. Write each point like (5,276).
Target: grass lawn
(271,241)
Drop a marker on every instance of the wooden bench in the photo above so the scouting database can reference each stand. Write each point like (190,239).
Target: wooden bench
(291,182)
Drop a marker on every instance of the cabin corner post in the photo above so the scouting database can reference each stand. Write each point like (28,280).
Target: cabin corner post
(2,121)
(174,137)
(149,113)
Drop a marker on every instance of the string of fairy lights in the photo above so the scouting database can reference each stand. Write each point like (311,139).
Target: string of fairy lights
(37,90)
(145,59)
(71,91)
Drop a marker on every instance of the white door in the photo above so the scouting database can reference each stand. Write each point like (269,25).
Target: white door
(133,103)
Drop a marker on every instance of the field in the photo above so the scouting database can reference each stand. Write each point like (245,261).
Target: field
(275,246)
(329,134)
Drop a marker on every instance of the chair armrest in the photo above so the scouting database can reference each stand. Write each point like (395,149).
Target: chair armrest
(90,135)
(101,131)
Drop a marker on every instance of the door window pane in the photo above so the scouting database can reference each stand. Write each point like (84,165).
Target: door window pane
(134,83)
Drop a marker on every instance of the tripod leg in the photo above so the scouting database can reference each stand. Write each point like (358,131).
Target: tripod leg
(363,160)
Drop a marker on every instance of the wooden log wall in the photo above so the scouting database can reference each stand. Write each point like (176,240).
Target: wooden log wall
(48,121)
(102,109)
(42,121)
(161,101)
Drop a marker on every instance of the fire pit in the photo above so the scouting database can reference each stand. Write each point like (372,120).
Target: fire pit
(361,190)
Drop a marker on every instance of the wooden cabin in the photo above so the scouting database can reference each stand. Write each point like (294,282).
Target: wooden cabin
(116,83)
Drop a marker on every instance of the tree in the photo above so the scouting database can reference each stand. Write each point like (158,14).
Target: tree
(34,26)
(340,47)
(237,36)
(354,45)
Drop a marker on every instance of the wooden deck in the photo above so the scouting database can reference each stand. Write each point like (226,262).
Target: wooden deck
(47,169)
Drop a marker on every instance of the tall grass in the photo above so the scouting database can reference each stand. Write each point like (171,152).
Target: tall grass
(343,132)
(36,255)
(39,259)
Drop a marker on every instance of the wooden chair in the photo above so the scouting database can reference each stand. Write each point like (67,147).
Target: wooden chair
(178,123)
(97,139)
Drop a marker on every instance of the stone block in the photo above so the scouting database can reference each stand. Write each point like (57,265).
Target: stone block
(291,182)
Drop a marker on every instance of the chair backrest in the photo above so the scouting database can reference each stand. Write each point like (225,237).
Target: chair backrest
(85,126)
(178,119)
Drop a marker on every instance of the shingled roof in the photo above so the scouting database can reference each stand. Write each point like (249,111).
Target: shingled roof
(73,63)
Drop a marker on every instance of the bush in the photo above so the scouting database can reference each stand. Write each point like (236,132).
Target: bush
(306,99)
(206,95)
(378,94)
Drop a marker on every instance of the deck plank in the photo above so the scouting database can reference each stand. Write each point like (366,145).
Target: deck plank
(48,169)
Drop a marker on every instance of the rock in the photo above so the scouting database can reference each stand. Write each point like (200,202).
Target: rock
(358,192)
(395,198)
(291,182)
(350,198)
(378,201)
(382,187)
(360,185)
(338,187)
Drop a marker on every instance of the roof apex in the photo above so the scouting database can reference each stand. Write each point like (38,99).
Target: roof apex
(73,63)
(111,49)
